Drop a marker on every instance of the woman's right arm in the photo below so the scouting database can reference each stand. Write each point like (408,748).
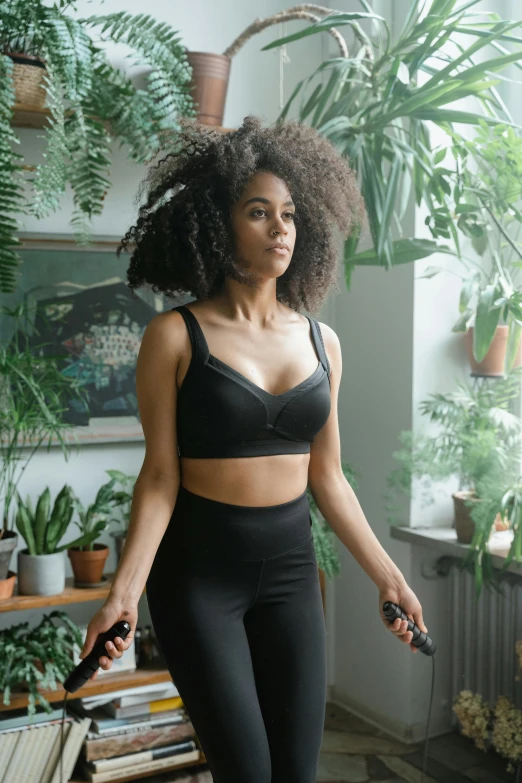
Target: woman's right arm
(157,484)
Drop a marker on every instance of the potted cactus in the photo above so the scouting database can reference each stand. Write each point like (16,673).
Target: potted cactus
(88,558)
(41,565)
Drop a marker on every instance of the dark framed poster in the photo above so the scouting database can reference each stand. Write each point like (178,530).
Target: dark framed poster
(83,311)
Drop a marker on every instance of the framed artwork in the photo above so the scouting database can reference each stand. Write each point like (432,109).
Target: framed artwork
(83,311)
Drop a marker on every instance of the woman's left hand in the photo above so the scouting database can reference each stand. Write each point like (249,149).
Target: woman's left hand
(405,598)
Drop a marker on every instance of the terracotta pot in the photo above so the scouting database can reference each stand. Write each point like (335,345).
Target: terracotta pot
(493,362)
(8,544)
(464,524)
(209,85)
(7,586)
(88,566)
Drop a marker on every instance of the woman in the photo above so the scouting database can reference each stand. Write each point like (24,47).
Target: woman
(246,388)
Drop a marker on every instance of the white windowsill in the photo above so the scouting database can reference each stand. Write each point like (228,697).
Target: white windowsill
(444,541)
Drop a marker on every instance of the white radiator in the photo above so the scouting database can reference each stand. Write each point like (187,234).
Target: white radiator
(483,636)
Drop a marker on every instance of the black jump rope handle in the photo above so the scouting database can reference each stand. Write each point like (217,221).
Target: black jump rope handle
(420,639)
(88,665)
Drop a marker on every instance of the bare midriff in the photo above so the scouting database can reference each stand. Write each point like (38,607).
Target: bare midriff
(247,481)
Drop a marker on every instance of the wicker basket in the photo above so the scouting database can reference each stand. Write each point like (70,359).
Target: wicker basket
(28,80)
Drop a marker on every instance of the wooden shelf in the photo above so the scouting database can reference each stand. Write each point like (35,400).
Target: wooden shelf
(101,684)
(26,116)
(71,595)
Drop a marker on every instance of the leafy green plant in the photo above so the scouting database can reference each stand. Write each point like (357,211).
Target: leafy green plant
(479,442)
(34,395)
(377,104)
(122,498)
(487,192)
(324,537)
(91,103)
(43,528)
(96,517)
(37,657)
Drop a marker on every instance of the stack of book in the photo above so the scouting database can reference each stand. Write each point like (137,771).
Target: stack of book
(134,731)
(30,749)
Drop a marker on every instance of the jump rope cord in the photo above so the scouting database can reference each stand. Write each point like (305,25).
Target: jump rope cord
(425,760)
(61,751)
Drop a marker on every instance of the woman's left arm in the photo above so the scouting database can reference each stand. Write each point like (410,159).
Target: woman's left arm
(338,504)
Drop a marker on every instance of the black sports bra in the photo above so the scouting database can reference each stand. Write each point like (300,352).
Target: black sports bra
(221,413)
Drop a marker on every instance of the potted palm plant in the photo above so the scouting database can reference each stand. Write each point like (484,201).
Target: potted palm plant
(89,103)
(33,397)
(41,567)
(479,442)
(88,557)
(378,102)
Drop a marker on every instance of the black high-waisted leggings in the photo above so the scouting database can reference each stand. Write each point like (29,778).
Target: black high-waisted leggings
(236,606)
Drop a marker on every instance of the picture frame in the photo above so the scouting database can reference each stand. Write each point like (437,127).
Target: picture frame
(83,311)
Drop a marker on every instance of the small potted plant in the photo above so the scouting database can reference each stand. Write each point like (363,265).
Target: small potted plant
(122,498)
(34,658)
(479,442)
(41,565)
(88,558)
(487,184)
(32,394)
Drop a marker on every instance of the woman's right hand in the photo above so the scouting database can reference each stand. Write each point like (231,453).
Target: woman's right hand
(109,614)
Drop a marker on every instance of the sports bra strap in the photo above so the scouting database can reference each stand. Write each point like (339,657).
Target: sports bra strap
(319,344)
(198,342)
(200,351)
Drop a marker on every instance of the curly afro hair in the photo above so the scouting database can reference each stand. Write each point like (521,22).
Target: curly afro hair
(183,238)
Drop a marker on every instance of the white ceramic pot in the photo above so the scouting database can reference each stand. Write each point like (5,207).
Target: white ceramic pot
(41,574)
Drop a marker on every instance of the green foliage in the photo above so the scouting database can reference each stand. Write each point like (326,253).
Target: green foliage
(122,498)
(96,517)
(91,104)
(42,529)
(479,442)
(20,648)
(377,104)
(487,200)
(324,537)
(34,395)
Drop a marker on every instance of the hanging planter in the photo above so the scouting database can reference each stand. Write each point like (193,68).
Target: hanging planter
(210,72)
(28,79)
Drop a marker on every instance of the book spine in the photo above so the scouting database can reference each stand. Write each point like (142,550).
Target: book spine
(144,708)
(150,766)
(103,726)
(71,750)
(129,742)
(141,757)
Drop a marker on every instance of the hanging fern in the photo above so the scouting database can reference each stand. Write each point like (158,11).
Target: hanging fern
(91,103)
